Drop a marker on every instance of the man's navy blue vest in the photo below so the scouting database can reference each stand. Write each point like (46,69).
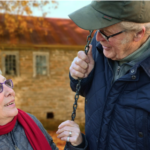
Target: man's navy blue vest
(117,115)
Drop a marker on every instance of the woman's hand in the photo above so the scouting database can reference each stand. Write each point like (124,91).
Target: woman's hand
(69,131)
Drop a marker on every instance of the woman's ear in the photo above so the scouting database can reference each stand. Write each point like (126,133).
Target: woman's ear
(139,35)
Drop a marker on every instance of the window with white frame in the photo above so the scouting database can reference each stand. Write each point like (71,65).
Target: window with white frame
(40,63)
(10,64)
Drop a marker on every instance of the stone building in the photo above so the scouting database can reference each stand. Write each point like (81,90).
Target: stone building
(38,64)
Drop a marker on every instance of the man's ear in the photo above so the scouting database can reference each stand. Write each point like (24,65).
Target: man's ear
(139,35)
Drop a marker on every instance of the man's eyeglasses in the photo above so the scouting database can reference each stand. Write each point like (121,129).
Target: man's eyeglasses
(8,83)
(107,37)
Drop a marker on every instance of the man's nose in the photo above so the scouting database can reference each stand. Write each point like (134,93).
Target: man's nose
(99,37)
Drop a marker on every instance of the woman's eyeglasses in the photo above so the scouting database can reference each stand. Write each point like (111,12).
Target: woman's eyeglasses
(8,83)
(107,37)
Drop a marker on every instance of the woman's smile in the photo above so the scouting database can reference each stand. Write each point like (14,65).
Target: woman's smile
(10,104)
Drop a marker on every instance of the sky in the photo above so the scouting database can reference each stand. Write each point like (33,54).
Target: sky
(65,7)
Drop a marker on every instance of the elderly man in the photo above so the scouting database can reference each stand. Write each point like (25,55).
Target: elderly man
(116,74)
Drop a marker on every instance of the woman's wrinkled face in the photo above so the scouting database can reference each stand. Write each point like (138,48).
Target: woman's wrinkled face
(7,103)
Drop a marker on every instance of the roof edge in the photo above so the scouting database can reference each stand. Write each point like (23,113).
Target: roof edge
(3,46)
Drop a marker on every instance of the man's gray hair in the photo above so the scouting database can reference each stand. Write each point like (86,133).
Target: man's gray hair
(133,26)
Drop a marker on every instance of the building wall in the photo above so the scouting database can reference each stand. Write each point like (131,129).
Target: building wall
(40,95)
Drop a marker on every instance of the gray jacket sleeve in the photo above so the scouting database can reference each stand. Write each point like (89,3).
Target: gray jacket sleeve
(48,137)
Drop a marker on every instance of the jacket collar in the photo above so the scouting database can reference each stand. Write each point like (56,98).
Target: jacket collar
(99,47)
(145,64)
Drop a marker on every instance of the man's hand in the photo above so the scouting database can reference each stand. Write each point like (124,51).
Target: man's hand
(82,65)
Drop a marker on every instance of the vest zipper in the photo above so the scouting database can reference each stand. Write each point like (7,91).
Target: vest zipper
(118,70)
(112,73)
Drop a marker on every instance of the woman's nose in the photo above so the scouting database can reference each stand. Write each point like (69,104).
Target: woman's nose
(8,91)
(99,37)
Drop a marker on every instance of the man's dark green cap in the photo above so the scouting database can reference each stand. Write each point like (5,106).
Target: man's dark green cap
(101,14)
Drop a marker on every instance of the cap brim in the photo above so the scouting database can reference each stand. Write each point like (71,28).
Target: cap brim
(90,19)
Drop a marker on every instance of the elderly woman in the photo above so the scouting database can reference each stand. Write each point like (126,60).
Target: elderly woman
(22,131)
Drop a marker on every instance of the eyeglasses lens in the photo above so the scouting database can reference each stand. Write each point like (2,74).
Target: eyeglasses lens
(9,83)
(103,35)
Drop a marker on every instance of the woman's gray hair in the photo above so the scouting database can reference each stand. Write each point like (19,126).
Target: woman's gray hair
(133,26)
